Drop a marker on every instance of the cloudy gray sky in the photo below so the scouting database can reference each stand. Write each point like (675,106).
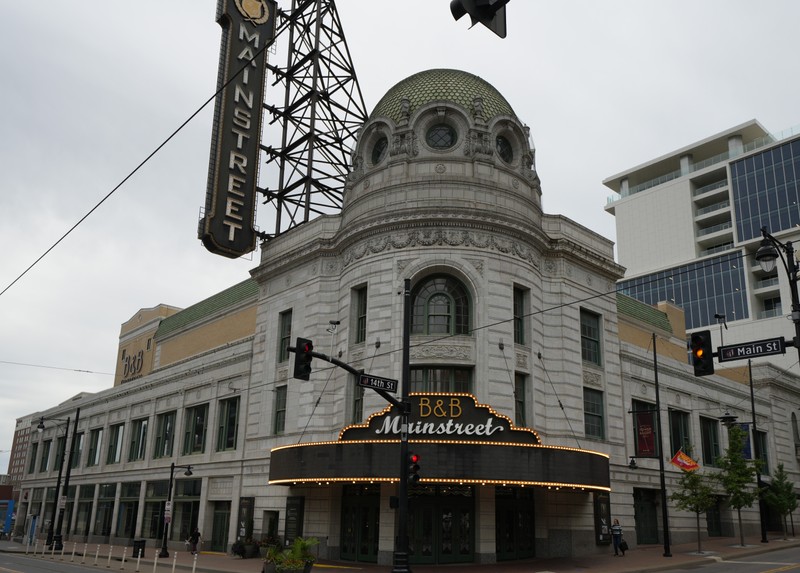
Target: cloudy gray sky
(90,88)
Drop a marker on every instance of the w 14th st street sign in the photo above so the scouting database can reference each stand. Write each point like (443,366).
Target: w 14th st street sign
(378,383)
(766,347)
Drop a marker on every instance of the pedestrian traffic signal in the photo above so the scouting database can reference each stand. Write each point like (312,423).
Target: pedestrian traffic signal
(490,13)
(413,468)
(302,358)
(702,353)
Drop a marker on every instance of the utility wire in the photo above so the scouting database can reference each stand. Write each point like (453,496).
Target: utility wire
(136,169)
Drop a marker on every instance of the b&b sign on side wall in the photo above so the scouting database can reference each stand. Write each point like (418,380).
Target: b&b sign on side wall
(228,225)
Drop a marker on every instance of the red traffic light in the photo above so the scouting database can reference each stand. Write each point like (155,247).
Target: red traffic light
(303,350)
(413,468)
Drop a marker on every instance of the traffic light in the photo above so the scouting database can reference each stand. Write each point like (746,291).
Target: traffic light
(413,468)
(490,13)
(702,353)
(302,358)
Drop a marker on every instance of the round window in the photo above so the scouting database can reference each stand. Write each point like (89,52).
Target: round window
(441,136)
(379,150)
(504,149)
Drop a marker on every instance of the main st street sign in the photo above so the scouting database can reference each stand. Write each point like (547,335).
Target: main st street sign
(766,347)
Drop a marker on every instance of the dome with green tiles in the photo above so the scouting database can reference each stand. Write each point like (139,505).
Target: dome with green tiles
(442,85)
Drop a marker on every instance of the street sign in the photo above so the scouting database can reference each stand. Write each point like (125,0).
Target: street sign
(167,511)
(766,347)
(62,502)
(378,383)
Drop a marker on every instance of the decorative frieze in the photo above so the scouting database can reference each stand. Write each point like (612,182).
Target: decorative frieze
(438,237)
(441,351)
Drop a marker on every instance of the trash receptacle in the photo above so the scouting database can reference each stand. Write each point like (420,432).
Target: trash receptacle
(138,548)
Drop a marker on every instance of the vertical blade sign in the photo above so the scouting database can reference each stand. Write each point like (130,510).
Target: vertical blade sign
(227,227)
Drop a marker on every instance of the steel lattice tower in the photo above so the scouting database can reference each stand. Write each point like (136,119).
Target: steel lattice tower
(322,111)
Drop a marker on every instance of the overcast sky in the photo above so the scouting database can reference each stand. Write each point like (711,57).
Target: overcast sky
(90,88)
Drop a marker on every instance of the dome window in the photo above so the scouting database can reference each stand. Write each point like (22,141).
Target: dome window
(441,136)
(504,149)
(379,150)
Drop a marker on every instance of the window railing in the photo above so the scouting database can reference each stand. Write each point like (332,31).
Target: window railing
(716,249)
(766,283)
(715,207)
(710,187)
(771,313)
(714,229)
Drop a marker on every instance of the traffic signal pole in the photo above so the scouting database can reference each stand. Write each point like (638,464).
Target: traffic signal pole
(305,347)
(401,537)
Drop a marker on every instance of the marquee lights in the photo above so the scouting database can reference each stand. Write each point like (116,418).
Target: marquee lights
(448,442)
(505,483)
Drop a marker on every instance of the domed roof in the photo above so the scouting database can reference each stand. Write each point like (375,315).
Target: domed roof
(436,85)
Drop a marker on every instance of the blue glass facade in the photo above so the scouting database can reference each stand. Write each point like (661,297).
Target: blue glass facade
(766,190)
(702,289)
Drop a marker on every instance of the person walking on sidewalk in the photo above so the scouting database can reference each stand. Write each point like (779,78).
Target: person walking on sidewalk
(194,539)
(616,537)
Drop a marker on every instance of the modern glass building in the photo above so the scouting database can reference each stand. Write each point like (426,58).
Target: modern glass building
(689,224)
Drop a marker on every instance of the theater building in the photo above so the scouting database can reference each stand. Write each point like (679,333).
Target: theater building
(524,363)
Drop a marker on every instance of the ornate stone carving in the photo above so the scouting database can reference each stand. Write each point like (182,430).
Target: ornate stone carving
(478,143)
(440,168)
(522,360)
(357,172)
(404,144)
(591,378)
(437,237)
(452,352)
(477,110)
(477,264)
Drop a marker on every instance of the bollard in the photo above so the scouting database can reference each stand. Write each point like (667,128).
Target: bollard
(63,548)
(74,547)
(108,563)
(155,563)
(85,551)
(139,560)
(53,552)
(194,563)
(96,555)
(124,551)
(174,560)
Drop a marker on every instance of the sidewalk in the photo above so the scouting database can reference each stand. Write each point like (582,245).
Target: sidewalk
(640,559)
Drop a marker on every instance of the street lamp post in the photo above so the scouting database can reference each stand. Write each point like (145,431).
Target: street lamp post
(168,506)
(767,254)
(40,428)
(58,543)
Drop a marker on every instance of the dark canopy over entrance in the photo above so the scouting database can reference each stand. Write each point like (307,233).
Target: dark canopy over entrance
(458,441)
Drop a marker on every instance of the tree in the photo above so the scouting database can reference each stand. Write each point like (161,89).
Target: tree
(780,495)
(696,494)
(737,475)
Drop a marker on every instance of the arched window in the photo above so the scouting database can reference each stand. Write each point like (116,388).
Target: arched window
(441,306)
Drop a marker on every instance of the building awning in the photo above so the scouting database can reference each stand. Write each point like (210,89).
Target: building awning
(458,441)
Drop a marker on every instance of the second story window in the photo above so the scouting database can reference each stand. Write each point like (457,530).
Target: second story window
(590,337)
(95,443)
(284,335)
(138,440)
(33,459)
(78,451)
(360,313)
(165,435)
(520,311)
(280,410)
(45,455)
(194,435)
(228,424)
(441,305)
(115,444)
